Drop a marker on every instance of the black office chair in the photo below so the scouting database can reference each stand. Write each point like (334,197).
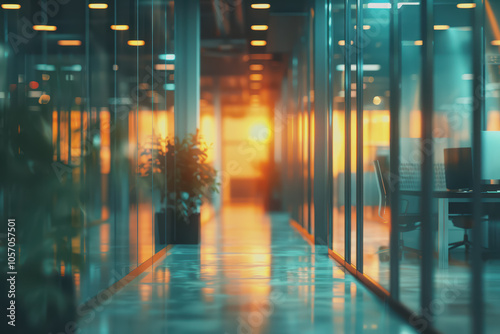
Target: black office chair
(460,215)
(406,222)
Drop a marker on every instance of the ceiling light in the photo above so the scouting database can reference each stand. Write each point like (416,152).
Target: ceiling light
(366,67)
(164,67)
(466,5)
(136,42)
(256,77)
(69,42)
(419,42)
(11,6)
(257,42)
(383,5)
(169,56)
(261,6)
(441,27)
(119,27)
(259,27)
(496,42)
(98,5)
(256,67)
(44,28)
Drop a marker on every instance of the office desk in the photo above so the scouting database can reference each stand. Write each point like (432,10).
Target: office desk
(444,198)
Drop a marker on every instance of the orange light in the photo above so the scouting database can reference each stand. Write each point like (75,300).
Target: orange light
(256,67)
(256,77)
(69,42)
(164,67)
(255,85)
(496,42)
(33,85)
(98,5)
(441,27)
(11,6)
(261,56)
(259,27)
(44,28)
(119,27)
(419,42)
(466,5)
(138,42)
(261,6)
(258,42)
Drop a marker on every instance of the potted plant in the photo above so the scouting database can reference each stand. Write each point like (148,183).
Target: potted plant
(180,171)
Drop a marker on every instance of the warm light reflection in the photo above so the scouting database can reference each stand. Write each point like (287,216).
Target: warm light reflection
(98,5)
(44,28)
(164,67)
(495,42)
(69,42)
(419,42)
(119,27)
(105,153)
(258,42)
(11,6)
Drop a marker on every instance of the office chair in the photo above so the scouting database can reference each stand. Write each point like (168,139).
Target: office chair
(406,222)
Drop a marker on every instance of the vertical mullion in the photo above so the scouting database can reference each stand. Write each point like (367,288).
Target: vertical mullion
(359,136)
(395,103)
(347,105)
(330,128)
(427,89)
(477,296)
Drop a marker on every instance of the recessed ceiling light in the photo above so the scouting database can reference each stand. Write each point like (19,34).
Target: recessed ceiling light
(257,42)
(256,67)
(11,6)
(98,5)
(256,77)
(466,5)
(69,42)
(136,42)
(261,6)
(44,28)
(441,27)
(119,27)
(259,27)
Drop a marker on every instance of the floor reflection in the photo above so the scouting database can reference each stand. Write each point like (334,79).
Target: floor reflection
(252,274)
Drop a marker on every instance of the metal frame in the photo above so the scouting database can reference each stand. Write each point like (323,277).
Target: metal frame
(347,107)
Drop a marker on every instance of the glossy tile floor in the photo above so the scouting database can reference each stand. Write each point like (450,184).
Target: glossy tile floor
(253,273)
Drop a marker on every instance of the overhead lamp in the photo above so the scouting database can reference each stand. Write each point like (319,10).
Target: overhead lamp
(366,67)
(119,27)
(256,77)
(169,56)
(419,42)
(495,42)
(164,67)
(69,42)
(44,28)
(466,5)
(258,42)
(11,6)
(380,5)
(441,27)
(261,6)
(98,5)
(136,42)
(259,27)
(256,67)
(365,27)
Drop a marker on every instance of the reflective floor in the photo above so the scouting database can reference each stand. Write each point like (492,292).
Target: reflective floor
(253,273)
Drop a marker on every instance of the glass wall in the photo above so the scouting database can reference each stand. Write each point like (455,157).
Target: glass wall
(413,119)
(87,103)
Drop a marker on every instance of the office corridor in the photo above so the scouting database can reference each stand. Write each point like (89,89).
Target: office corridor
(252,273)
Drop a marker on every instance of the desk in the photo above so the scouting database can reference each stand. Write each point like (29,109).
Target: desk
(444,198)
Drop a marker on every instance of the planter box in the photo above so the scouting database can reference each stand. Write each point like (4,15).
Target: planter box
(177,231)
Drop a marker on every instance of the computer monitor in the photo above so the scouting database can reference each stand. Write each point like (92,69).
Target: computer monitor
(458,168)
(490,158)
